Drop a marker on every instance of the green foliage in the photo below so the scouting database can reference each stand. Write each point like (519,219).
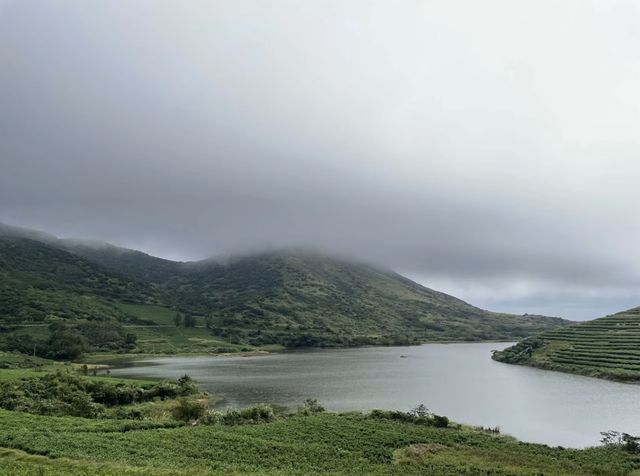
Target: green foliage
(106,335)
(440,421)
(418,416)
(310,407)
(171,340)
(607,347)
(65,342)
(323,443)
(69,341)
(188,410)
(64,392)
(625,441)
(20,361)
(39,281)
(250,415)
(290,299)
(187,385)
(208,321)
(147,314)
(520,352)
(189,320)
(299,299)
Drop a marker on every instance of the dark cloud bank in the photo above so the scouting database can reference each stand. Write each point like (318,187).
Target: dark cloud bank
(487,149)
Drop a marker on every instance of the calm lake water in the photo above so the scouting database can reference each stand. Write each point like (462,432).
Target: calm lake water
(457,380)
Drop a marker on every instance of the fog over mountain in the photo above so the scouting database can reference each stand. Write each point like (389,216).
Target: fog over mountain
(451,141)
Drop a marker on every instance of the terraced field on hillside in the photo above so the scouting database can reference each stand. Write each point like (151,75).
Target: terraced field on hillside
(608,347)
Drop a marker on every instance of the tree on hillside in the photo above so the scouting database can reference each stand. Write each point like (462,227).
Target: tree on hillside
(208,320)
(177,320)
(189,320)
(65,342)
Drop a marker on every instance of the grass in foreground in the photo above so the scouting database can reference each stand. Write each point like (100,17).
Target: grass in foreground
(322,443)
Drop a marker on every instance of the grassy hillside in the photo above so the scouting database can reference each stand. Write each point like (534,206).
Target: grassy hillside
(135,264)
(608,347)
(39,281)
(287,298)
(302,298)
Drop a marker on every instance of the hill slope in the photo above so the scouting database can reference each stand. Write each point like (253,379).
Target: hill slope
(280,296)
(608,347)
(39,281)
(291,298)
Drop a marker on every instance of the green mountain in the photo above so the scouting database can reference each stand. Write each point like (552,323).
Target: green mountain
(134,264)
(290,298)
(608,347)
(39,281)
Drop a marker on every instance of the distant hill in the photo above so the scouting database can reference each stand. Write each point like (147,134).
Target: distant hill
(286,295)
(135,264)
(608,347)
(291,298)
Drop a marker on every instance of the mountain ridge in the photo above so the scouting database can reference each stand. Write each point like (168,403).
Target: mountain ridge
(287,297)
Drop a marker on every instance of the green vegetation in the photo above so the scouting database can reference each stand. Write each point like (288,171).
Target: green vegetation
(68,341)
(64,392)
(608,347)
(304,299)
(62,300)
(65,298)
(39,282)
(62,422)
(173,340)
(298,444)
(148,314)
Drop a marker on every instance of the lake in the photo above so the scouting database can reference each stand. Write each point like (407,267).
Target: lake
(457,380)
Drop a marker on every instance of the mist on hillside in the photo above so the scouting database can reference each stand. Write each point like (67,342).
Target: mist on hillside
(452,142)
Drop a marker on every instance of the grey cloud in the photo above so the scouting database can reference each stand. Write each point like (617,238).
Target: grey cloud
(490,147)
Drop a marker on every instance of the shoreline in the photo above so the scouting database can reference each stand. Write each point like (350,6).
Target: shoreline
(97,358)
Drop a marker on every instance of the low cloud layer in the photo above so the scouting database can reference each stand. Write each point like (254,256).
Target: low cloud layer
(488,149)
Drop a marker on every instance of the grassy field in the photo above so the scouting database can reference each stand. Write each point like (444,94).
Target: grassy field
(158,335)
(19,366)
(155,314)
(608,347)
(317,444)
(172,340)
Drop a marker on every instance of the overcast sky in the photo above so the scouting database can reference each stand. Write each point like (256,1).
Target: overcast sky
(487,149)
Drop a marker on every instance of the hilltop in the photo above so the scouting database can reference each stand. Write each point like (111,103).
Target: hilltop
(287,297)
(608,347)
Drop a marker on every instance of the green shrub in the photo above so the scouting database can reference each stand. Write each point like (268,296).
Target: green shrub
(212,417)
(188,410)
(310,407)
(66,393)
(257,414)
(419,416)
(129,414)
(440,421)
